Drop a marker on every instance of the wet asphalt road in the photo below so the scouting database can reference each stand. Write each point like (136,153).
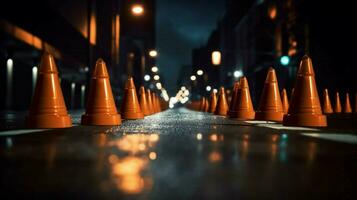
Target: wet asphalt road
(177,154)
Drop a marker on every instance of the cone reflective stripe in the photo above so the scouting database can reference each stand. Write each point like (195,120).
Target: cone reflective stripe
(143,101)
(326,103)
(305,108)
(222,105)
(337,108)
(150,104)
(243,108)
(213,102)
(347,106)
(48,109)
(100,108)
(130,107)
(270,106)
(233,100)
(284,101)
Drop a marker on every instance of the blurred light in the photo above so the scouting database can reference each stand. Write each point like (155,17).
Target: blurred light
(73,93)
(285,136)
(208,88)
(213,137)
(272,12)
(215,156)
(183,88)
(186,93)
(158,86)
(171,105)
(285,60)
(152,156)
(83,90)
(156,77)
(147,77)
(153,53)
(215,90)
(86,69)
(193,77)
(199,136)
(199,72)
(137,9)
(34,76)
(216,57)
(154,69)
(238,73)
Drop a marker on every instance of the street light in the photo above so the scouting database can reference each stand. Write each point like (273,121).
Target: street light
(238,73)
(199,72)
(193,78)
(153,53)
(208,88)
(285,60)
(137,9)
(216,57)
(158,86)
(154,69)
(156,77)
(147,77)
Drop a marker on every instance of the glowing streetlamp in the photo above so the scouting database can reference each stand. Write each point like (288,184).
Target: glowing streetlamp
(193,78)
(147,77)
(137,9)
(153,53)
(216,57)
(237,73)
(199,72)
(156,77)
(154,69)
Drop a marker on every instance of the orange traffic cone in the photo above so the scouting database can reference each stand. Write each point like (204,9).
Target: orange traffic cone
(213,102)
(337,108)
(143,101)
(202,104)
(284,101)
(270,106)
(100,109)
(150,104)
(158,104)
(130,108)
(243,108)
(305,108)
(326,103)
(48,109)
(206,105)
(222,105)
(232,104)
(347,107)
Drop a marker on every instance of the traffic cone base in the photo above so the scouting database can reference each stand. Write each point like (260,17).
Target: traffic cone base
(49,121)
(307,120)
(48,109)
(242,115)
(101,119)
(269,116)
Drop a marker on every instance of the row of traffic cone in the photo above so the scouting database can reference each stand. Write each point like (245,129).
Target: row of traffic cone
(304,110)
(337,108)
(48,109)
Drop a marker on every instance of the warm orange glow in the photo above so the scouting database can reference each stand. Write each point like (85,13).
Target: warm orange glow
(214,157)
(153,53)
(213,137)
(152,156)
(154,137)
(113,159)
(28,38)
(216,57)
(274,138)
(137,10)
(93,29)
(272,12)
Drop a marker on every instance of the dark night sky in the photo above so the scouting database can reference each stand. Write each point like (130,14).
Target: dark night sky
(181,26)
